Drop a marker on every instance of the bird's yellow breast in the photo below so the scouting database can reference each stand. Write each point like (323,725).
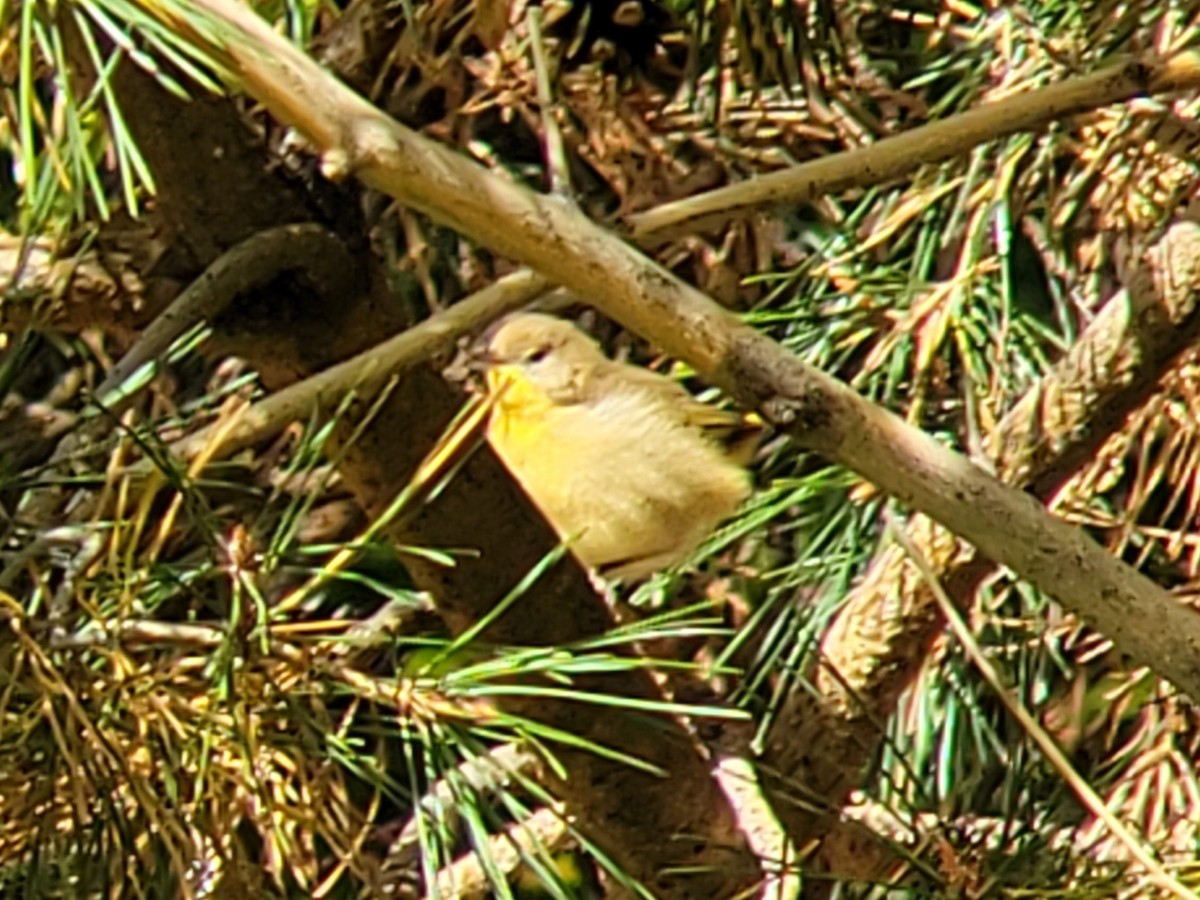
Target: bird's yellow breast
(623,479)
(522,415)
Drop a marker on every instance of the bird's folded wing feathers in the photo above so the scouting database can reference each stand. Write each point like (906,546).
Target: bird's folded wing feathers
(740,432)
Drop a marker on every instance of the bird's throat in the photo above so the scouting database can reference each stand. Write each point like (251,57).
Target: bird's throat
(520,409)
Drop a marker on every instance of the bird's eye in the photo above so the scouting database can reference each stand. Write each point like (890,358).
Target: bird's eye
(537,354)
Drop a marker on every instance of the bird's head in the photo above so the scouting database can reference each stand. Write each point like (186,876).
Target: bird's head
(550,354)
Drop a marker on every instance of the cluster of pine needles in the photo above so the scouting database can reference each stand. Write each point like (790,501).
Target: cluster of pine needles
(218,680)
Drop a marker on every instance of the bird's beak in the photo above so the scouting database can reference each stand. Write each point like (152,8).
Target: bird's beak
(498,379)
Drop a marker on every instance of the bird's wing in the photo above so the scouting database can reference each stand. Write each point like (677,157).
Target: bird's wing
(740,432)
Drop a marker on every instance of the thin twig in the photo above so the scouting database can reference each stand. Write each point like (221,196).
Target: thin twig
(259,259)
(1084,791)
(901,154)
(368,371)
(556,157)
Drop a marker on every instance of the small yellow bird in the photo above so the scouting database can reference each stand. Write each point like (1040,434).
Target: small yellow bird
(626,465)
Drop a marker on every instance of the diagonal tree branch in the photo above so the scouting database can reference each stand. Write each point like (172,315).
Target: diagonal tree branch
(822,414)
(823,737)
(895,156)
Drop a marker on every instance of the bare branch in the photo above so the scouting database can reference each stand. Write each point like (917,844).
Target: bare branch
(902,153)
